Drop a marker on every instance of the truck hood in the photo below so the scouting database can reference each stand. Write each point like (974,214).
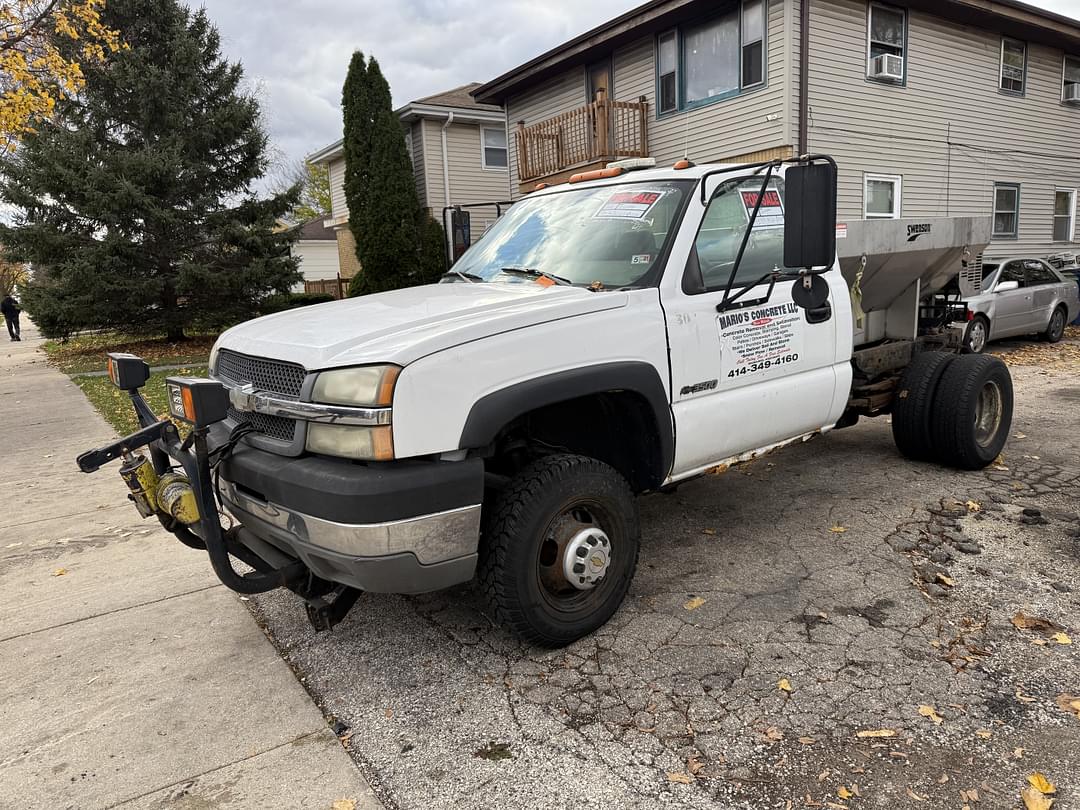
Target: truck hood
(404,325)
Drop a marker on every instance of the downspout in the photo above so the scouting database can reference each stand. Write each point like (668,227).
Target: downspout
(804,77)
(446,184)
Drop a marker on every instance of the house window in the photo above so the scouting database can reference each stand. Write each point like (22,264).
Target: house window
(667,59)
(494,141)
(886,44)
(1064,214)
(753,43)
(711,60)
(1070,90)
(1006,210)
(881,196)
(1013,65)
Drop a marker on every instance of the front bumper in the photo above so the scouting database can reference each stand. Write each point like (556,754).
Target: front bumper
(390,527)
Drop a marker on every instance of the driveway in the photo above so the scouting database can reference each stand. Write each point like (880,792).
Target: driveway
(829,626)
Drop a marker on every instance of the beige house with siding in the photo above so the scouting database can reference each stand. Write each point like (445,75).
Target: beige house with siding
(931,108)
(459,155)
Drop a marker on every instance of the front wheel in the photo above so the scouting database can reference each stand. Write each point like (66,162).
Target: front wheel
(560,549)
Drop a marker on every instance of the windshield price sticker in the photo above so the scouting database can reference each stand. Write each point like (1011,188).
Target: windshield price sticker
(757,340)
(628,204)
(771,212)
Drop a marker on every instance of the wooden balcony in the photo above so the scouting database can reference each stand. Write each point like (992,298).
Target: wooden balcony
(597,132)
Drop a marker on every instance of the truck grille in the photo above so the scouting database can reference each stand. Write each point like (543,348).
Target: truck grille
(264,374)
(272,376)
(273,427)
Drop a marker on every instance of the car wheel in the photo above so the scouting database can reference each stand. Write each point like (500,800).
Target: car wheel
(1056,328)
(973,409)
(913,404)
(559,549)
(978,334)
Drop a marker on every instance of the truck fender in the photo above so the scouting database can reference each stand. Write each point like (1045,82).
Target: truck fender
(492,412)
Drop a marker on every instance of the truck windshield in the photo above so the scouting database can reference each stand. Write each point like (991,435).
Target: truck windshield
(612,235)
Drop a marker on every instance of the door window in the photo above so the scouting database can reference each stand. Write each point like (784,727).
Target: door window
(1039,273)
(1014,271)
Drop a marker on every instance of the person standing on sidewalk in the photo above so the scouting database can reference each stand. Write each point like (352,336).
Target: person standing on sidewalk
(10,309)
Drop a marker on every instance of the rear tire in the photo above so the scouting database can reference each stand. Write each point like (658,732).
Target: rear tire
(913,404)
(1056,328)
(977,335)
(973,410)
(559,511)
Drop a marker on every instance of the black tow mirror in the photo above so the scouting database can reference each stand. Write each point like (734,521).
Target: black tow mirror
(810,215)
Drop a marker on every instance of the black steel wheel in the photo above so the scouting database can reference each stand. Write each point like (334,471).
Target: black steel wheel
(559,549)
(973,409)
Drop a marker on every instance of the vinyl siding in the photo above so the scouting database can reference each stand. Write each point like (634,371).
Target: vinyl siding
(551,97)
(750,122)
(470,182)
(318,259)
(949,132)
(415,136)
(338,207)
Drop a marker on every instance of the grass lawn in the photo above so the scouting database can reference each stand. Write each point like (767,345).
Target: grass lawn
(115,405)
(84,353)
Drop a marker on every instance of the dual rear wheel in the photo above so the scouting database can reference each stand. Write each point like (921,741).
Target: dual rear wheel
(955,410)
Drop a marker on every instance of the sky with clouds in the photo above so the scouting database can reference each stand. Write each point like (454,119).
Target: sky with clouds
(296,53)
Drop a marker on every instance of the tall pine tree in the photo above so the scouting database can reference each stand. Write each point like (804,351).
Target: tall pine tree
(135,203)
(398,244)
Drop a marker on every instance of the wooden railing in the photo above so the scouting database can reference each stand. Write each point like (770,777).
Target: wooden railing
(600,130)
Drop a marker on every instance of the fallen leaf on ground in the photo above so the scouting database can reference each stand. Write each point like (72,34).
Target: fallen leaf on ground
(1024,698)
(1068,703)
(844,793)
(946,580)
(59,572)
(680,778)
(931,713)
(837,529)
(1041,783)
(773,734)
(986,734)
(344,804)
(1022,621)
(1061,638)
(695,765)
(1019,435)
(877,732)
(694,603)
(807,740)
(709,532)
(913,795)
(784,684)
(1033,800)
(969,795)
(1018,753)
(974,506)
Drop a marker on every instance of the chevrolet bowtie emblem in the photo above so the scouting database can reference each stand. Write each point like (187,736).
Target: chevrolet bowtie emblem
(243,398)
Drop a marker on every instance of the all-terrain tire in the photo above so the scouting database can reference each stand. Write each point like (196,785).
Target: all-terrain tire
(913,404)
(973,409)
(524,516)
(1055,328)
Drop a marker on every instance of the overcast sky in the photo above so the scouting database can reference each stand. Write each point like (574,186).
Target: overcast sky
(296,53)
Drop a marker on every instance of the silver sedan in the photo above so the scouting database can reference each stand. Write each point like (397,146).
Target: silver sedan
(1020,297)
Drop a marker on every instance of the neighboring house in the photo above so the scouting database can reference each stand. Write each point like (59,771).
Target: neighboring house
(931,108)
(316,248)
(459,155)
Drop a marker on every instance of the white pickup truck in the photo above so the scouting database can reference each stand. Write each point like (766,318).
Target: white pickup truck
(611,336)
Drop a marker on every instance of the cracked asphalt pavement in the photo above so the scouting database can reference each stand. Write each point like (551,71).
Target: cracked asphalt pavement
(839,589)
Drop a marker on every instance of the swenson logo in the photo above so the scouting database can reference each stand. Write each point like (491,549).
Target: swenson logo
(915,231)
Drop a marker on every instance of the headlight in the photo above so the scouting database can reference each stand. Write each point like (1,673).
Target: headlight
(371,386)
(351,441)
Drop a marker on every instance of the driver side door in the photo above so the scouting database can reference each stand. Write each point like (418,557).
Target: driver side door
(764,370)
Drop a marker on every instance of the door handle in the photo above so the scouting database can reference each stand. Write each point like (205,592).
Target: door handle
(819,314)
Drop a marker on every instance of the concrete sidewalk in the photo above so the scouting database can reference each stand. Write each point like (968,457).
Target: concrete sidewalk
(129,677)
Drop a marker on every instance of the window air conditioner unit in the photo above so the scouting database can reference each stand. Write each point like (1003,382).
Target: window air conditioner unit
(887,66)
(1072,93)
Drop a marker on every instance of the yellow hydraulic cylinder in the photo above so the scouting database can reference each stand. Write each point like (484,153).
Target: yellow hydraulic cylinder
(176,498)
(141,478)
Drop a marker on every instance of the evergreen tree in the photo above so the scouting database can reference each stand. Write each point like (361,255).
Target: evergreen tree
(135,203)
(392,232)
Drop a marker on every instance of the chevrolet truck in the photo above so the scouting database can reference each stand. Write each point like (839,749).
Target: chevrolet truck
(609,337)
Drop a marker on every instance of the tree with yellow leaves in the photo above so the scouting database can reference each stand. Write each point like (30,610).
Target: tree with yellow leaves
(42,46)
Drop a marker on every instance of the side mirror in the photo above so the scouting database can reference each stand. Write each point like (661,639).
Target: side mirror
(1005,286)
(810,215)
